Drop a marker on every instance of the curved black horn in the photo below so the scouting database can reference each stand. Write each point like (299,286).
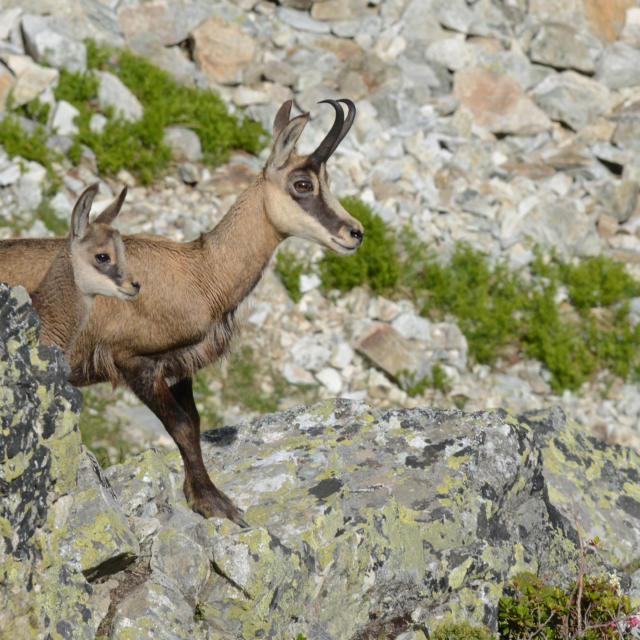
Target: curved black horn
(351,115)
(330,142)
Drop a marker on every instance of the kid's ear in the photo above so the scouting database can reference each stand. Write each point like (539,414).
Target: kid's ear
(81,210)
(110,213)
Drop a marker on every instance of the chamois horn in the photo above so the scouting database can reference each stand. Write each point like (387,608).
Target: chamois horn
(338,131)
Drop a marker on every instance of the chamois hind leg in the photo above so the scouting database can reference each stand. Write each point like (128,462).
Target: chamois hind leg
(174,406)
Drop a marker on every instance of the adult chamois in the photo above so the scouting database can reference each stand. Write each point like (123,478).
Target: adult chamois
(91,262)
(184,316)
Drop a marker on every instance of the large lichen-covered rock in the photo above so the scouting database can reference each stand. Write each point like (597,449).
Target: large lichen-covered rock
(363,521)
(48,540)
(363,518)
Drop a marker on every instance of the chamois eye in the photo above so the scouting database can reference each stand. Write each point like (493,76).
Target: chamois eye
(103,258)
(303,186)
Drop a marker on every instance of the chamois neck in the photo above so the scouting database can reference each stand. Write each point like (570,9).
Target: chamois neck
(239,247)
(62,308)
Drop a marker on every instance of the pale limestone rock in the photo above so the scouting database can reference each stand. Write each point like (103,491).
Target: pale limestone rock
(112,92)
(222,50)
(31,78)
(498,103)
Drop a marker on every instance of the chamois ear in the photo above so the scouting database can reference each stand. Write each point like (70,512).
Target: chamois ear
(109,214)
(286,141)
(80,214)
(282,118)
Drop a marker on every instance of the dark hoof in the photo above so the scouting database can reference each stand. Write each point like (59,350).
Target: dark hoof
(241,523)
(213,503)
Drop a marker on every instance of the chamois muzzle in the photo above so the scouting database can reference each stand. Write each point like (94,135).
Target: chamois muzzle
(338,131)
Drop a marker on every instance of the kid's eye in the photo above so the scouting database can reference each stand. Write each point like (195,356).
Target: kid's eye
(103,258)
(303,186)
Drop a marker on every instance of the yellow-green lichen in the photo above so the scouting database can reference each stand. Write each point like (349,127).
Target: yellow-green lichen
(65,457)
(458,574)
(16,466)
(455,462)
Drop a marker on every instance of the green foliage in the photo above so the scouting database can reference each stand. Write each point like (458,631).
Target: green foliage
(138,146)
(17,142)
(77,88)
(239,384)
(500,312)
(598,282)
(97,55)
(36,110)
(135,146)
(437,380)
(204,111)
(484,299)
(460,631)
(497,309)
(105,438)
(375,264)
(46,213)
(30,146)
(289,267)
(588,610)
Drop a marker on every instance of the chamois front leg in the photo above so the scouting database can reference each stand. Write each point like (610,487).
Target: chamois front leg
(176,409)
(182,391)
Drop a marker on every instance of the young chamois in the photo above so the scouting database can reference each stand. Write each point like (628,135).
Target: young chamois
(184,316)
(91,262)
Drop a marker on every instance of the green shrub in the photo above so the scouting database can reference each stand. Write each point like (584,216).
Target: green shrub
(437,380)
(375,264)
(484,299)
(108,441)
(30,146)
(36,110)
(498,310)
(596,611)
(138,146)
(17,142)
(289,267)
(98,56)
(77,88)
(502,312)
(598,282)
(201,109)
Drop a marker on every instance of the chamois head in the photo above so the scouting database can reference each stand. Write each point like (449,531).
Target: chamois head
(299,202)
(97,250)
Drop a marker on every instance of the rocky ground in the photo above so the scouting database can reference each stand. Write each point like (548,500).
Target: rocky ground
(363,522)
(503,124)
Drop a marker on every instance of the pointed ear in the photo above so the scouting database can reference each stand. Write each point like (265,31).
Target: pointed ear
(109,214)
(80,215)
(286,141)
(282,118)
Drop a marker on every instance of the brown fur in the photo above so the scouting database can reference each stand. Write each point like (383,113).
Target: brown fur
(183,318)
(64,296)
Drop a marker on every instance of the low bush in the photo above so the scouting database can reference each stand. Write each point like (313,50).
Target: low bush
(501,312)
(135,146)
(375,264)
(591,609)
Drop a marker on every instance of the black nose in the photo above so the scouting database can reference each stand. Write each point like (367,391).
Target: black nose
(357,234)
(136,285)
